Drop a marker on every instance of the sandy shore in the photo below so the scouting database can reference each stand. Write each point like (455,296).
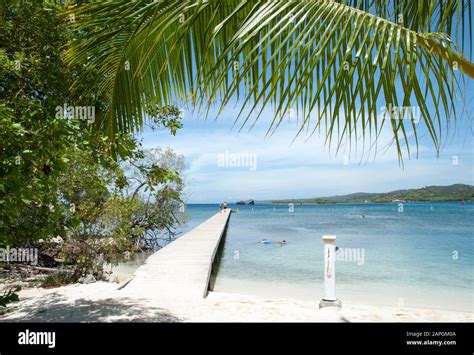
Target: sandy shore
(103,302)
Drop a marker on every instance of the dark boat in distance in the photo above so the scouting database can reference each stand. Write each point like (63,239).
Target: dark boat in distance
(248,202)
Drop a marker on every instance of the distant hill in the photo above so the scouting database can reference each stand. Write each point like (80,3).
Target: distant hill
(455,192)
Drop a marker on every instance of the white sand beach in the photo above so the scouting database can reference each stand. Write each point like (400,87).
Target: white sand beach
(169,287)
(103,302)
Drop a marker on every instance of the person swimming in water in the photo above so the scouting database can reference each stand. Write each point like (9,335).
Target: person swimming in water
(282,242)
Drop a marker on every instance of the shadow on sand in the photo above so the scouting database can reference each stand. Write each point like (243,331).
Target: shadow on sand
(57,309)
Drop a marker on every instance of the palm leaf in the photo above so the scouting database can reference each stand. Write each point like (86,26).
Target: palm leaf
(334,63)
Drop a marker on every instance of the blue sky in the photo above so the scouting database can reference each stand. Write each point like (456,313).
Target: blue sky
(275,167)
(307,167)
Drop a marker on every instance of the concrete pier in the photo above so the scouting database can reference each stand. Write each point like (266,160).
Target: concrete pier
(184,266)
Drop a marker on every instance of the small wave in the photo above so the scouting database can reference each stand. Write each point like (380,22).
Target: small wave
(359,216)
(301,229)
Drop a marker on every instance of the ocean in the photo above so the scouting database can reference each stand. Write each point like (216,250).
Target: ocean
(422,256)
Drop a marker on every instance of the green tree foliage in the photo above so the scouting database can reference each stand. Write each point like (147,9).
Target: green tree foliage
(117,207)
(33,81)
(9,296)
(63,175)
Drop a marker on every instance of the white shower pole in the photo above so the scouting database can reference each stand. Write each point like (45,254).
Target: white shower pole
(329,273)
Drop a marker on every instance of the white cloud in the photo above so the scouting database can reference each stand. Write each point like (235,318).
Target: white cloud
(304,168)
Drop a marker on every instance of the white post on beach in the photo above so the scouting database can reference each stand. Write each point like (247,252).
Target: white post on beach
(329,299)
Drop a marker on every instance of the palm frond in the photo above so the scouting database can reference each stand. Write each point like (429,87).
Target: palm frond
(335,64)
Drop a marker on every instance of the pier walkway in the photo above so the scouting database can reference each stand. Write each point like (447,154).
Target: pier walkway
(184,266)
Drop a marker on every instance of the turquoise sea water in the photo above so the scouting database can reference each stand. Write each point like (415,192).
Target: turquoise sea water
(423,256)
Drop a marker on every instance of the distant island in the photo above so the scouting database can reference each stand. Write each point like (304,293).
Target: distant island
(456,192)
(248,202)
